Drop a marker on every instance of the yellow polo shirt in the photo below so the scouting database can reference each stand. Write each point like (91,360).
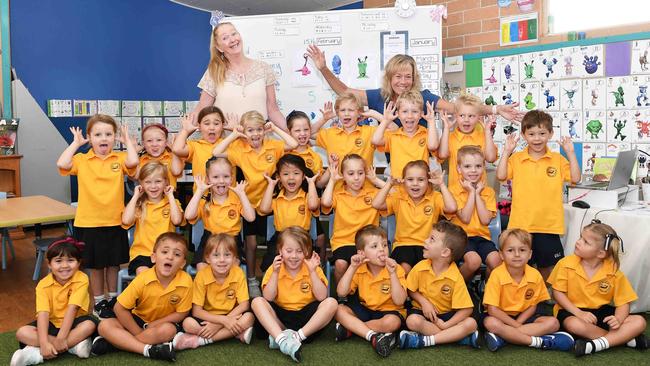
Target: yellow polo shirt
(404,148)
(336,141)
(413,221)
(157,220)
(351,214)
(374,291)
(199,153)
(513,298)
(255,164)
(219,298)
(313,161)
(446,291)
(608,285)
(294,292)
(54,298)
(166,159)
(224,218)
(457,140)
(101,188)
(147,299)
(537,192)
(292,212)
(474,227)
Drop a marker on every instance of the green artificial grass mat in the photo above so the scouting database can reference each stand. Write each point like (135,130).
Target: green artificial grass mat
(325,351)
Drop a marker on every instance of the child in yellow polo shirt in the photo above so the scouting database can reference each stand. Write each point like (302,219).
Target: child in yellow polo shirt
(62,321)
(380,282)
(150,309)
(538,176)
(411,141)
(100,173)
(295,203)
(220,309)
(468,130)
(585,285)
(442,308)
(221,209)
(295,306)
(477,206)
(417,207)
(155,144)
(511,296)
(154,210)
(211,121)
(249,149)
(352,202)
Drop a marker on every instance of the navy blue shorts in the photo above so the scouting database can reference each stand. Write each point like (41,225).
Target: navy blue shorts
(444,316)
(410,254)
(481,246)
(601,313)
(547,250)
(344,253)
(364,314)
(532,318)
(139,261)
(54,331)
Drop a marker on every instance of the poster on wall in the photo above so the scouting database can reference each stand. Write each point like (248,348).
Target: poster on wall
(518,29)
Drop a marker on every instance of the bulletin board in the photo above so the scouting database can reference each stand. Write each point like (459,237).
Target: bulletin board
(357,43)
(596,91)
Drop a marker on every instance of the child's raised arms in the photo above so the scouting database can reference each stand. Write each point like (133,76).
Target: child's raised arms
(78,140)
(385,122)
(188,126)
(432,132)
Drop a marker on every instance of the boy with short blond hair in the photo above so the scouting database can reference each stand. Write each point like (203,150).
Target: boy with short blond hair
(442,307)
(380,281)
(150,309)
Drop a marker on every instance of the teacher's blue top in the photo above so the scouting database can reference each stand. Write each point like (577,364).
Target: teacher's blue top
(376,102)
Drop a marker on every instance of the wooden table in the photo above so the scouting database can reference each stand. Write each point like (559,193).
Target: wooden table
(29,210)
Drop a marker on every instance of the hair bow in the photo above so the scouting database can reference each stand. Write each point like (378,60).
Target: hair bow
(68,239)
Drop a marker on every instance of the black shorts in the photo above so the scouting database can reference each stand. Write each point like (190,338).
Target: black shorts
(481,246)
(142,324)
(531,319)
(601,313)
(199,253)
(320,230)
(444,316)
(139,261)
(344,253)
(291,319)
(547,250)
(364,314)
(106,246)
(257,227)
(54,331)
(411,254)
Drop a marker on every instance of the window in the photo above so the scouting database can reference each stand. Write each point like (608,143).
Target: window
(581,15)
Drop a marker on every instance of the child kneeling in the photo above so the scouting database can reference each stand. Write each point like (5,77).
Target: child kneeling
(379,311)
(294,306)
(442,308)
(151,308)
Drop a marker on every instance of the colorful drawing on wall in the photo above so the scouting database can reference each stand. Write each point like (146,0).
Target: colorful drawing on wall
(519,29)
(336,65)
(362,66)
(304,70)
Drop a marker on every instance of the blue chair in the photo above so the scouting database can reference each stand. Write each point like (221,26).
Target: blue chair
(6,241)
(42,244)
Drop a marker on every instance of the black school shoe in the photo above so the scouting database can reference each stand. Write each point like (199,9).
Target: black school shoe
(162,351)
(101,346)
(384,343)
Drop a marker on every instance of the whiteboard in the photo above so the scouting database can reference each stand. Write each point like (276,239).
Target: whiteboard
(360,38)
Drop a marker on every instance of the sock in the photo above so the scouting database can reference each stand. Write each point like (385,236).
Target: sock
(596,345)
(535,342)
(280,338)
(429,341)
(112,295)
(301,335)
(205,341)
(98,299)
(370,334)
(146,350)
(631,343)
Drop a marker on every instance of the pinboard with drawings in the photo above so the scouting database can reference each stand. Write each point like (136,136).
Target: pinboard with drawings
(357,44)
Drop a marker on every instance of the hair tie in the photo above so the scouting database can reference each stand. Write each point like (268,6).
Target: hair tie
(216,17)
(68,239)
(156,125)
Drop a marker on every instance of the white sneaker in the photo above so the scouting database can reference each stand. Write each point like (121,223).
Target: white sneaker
(254,288)
(27,356)
(246,336)
(82,349)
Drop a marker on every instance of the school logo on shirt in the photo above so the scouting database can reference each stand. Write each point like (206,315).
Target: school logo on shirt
(358,142)
(232,214)
(165,213)
(385,288)
(301,209)
(230,294)
(115,167)
(269,158)
(305,287)
(421,142)
(428,210)
(367,200)
(551,171)
(604,287)
(309,163)
(529,294)
(174,299)
(445,290)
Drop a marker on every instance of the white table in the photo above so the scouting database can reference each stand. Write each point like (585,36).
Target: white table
(633,226)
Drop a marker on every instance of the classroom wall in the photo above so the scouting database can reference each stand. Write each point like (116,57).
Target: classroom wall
(472,26)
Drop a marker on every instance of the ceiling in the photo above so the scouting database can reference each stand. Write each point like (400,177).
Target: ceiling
(256,7)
